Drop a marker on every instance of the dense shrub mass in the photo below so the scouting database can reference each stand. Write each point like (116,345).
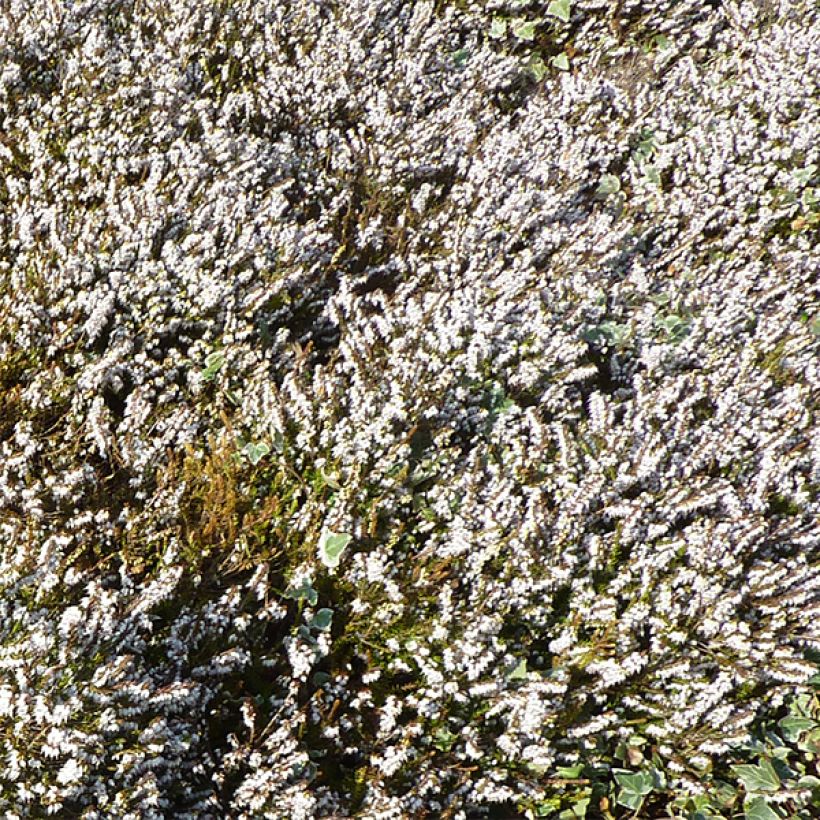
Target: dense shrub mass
(409,409)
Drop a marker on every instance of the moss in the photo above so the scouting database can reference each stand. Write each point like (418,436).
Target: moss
(782,505)
(773,363)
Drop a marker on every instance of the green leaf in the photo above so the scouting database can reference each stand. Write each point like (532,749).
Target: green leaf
(523,29)
(255,451)
(304,592)
(794,726)
(519,672)
(460,57)
(675,327)
(322,620)
(498,27)
(332,547)
(321,678)
(805,175)
(632,800)
(546,808)
(652,175)
(640,783)
(304,632)
(758,809)
(499,402)
(570,772)
(561,62)
(536,66)
(608,185)
(560,9)
(443,739)
(647,145)
(635,786)
(607,334)
(577,811)
(761,778)
(213,364)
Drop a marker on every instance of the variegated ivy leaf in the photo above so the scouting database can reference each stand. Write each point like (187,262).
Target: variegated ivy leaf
(608,185)
(760,778)
(498,27)
(652,175)
(559,9)
(519,672)
(255,451)
(332,546)
(523,29)
(535,65)
(805,175)
(561,61)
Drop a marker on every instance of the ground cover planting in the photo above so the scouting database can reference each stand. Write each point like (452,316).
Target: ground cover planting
(409,409)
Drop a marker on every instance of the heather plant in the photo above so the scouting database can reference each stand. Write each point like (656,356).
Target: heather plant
(409,409)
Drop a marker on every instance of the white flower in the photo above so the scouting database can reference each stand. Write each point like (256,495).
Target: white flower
(70,772)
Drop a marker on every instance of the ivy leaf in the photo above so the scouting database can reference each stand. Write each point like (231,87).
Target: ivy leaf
(577,811)
(815,329)
(255,451)
(278,442)
(632,800)
(444,739)
(523,29)
(498,403)
(652,175)
(570,772)
(761,778)
(304,592)
(805,175)
(322,620)
(675,327)
(561,61)
(213,364)
(607,334)
(609,184)
(758,809)
(304,633)
(647,145)
(519,671)
(498,27)
(635,786)
(793,726)
(559,9)
(641,782)
(332,547)
(535,65)
(460,57)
